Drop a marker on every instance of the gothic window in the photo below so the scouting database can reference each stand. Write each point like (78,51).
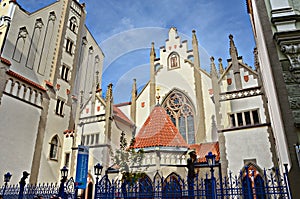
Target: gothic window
(33,48)
(64,73)
(69,46)
(181,112)
(20,43)
(173,61)
(73,24)
(59,107)
(54,148)
(245,118)
(45,48)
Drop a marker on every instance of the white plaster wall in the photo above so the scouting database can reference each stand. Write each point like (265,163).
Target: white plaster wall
(56,125)
(22,19)
(248,144)
(18,129)
(142,112)
(268,81)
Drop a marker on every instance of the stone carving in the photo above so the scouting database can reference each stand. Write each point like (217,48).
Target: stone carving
(293,53)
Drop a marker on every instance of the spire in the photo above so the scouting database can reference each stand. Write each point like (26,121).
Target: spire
(194,38)
(221,68)
(232,50)
(213,69)
(152,77)
(133,101)
(152,52)
(235,64)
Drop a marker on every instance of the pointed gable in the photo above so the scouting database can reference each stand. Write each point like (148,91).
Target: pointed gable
(159,130)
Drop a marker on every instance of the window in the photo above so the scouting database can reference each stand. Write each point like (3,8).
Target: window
(54,148)
(59,107)
(64,73)
(181,112)
(69,46)
(67,159)
(246,118)
(174,60)
(73,24)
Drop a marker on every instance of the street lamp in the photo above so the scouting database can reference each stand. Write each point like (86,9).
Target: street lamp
(7,177)
(211,161)
(97,170)
(64,175)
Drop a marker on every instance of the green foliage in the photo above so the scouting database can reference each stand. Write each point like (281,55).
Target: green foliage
(129,160)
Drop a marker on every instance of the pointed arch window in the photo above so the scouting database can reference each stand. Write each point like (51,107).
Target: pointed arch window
(53,153)
(181,112)
(173,60)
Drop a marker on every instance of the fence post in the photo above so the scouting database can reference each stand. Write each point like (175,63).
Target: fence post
(22,184)
(286,179)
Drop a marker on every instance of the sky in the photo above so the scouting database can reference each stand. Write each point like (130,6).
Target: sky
(124,29)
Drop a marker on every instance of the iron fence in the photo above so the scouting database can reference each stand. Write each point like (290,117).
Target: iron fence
(248,185)
(44,190)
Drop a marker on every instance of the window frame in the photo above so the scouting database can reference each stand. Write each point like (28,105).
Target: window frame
(234,119)
(54,148)
(69,46)
(65,73)
(59,107)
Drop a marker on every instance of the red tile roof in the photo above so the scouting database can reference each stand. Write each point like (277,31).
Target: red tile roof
(24,79)
(203,149)
(159,130)
(119,114)
(123,104)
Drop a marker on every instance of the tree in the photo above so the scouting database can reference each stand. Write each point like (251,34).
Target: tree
(129,160)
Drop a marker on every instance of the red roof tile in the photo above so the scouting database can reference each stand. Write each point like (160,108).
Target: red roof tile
(119,114)
(5,61)
(24,79)
(123,104)
(159,130)
(203,149)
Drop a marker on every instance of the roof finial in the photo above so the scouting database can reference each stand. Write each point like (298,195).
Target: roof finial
(221,68)
(157,96)
(194,37)
(213,69)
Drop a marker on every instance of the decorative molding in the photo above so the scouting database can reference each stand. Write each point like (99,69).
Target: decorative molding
(240,94)
(292,51)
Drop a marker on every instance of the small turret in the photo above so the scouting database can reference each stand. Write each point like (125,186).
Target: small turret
(133,101)
(235,64)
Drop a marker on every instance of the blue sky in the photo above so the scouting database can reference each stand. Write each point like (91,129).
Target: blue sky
(124,29)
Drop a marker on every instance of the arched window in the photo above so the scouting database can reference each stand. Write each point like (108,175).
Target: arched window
(181,112)
(73,24)
(172,186)
(54,148)
(173,60)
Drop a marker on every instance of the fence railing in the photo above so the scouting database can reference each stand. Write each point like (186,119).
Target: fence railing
(44,190)
(249,184)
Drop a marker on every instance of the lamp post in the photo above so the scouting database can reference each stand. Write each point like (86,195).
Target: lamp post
(97,170)
(64,175)
(211,161)
(7,177)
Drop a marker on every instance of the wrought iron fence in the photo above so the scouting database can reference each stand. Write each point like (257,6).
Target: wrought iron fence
(248,185)
(44,190)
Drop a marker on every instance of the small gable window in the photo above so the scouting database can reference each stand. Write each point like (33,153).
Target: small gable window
(173,61)
(53,154)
